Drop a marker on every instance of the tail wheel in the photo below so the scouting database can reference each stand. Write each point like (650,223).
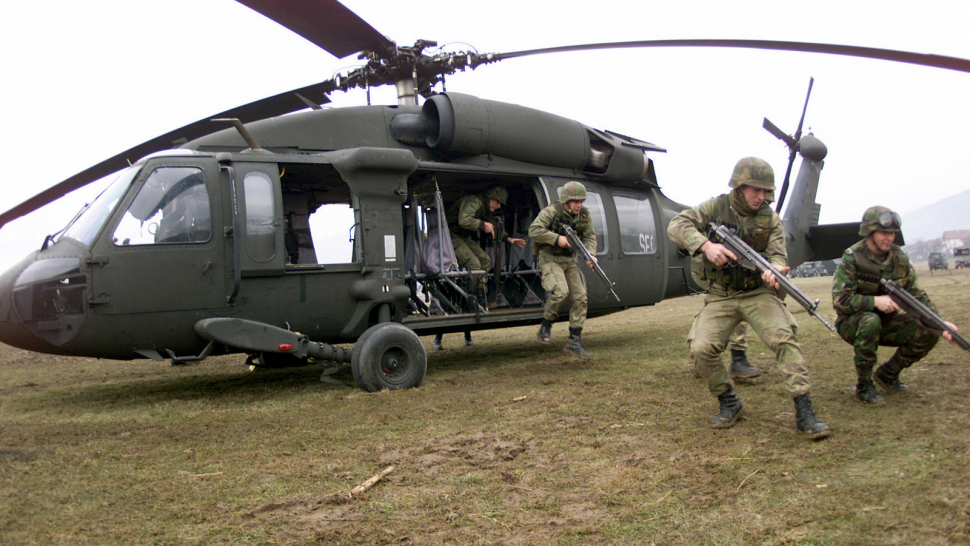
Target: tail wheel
(388,356)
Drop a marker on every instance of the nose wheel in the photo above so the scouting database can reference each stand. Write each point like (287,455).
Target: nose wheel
(388,356)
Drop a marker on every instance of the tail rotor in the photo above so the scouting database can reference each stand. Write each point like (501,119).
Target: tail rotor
(793,143)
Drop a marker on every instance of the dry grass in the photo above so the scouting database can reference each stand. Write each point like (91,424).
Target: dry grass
(506,442)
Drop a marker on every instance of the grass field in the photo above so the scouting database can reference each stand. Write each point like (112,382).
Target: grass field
(506,442)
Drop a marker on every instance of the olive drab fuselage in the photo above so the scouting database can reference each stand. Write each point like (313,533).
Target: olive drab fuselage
(115,284)
(215,231)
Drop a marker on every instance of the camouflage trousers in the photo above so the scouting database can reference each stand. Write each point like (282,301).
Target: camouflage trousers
(868,330)
(471,256)
(561,280)
(769,318)
(739,340)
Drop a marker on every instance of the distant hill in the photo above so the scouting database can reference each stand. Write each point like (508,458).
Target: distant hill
(931,221)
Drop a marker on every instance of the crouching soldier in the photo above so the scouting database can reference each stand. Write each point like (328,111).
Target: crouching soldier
(868,318)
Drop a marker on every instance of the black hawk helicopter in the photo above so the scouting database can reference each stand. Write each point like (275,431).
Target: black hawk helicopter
(202,245)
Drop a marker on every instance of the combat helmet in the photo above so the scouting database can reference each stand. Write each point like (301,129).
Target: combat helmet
(572,191)
(879,218)
(498,193)
(754,172)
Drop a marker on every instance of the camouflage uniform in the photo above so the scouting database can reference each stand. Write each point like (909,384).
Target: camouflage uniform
(467,216)
(855,285)
(738,340)
(561,277)
(735,295)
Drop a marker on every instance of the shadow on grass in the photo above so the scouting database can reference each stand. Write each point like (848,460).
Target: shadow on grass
(217,387)
(220,385)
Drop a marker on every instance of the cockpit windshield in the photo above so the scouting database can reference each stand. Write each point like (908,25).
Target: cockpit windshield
(85,227)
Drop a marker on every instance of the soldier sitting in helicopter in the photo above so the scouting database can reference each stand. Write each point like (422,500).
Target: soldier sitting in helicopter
(474,213)
(470,214)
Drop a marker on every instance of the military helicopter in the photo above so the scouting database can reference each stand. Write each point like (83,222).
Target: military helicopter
(203,246)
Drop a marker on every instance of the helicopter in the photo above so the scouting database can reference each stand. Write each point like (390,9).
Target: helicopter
(203,245)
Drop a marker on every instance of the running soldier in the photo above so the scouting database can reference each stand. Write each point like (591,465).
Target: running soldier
(561,277)
(735,295)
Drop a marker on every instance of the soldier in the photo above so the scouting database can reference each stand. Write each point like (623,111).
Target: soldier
(474,213)
(866,319)
(561,277)
(735,295)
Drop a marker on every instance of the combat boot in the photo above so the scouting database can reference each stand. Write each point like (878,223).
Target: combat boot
(806,421)
(740,367)
(730,410)
(575,344)
(437,343)
(866,392)
(888,378)
(545,331)
(468,339)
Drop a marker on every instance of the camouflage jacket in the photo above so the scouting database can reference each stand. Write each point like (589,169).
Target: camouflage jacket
(762,230)
(547,227)
(469,214)
(856,281)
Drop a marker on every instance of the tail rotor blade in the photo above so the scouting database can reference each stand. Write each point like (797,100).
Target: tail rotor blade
(792,145)
(798,133)
(779,134)
(784,186)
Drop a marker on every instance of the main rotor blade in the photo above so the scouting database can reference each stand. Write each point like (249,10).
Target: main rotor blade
(922,59)
(325,23)
(276,105)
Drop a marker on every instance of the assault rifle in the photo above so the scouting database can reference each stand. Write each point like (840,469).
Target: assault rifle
(749,258)
(907,300)
(579,247)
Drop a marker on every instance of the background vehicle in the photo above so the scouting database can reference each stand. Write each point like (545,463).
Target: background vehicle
(961,257)
(937,260)
(814,269)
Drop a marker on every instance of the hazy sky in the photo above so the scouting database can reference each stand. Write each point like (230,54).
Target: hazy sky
(83,81)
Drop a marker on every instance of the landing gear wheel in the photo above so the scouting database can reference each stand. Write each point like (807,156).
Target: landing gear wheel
(388,356)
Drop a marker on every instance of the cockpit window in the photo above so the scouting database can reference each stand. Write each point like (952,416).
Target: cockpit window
(91,219)
(171,207)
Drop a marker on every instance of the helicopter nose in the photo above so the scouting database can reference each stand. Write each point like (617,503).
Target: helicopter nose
(41,303)
(10,327)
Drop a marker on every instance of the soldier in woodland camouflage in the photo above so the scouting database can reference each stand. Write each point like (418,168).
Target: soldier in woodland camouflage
(561,277)
(735,294)
(868,318)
